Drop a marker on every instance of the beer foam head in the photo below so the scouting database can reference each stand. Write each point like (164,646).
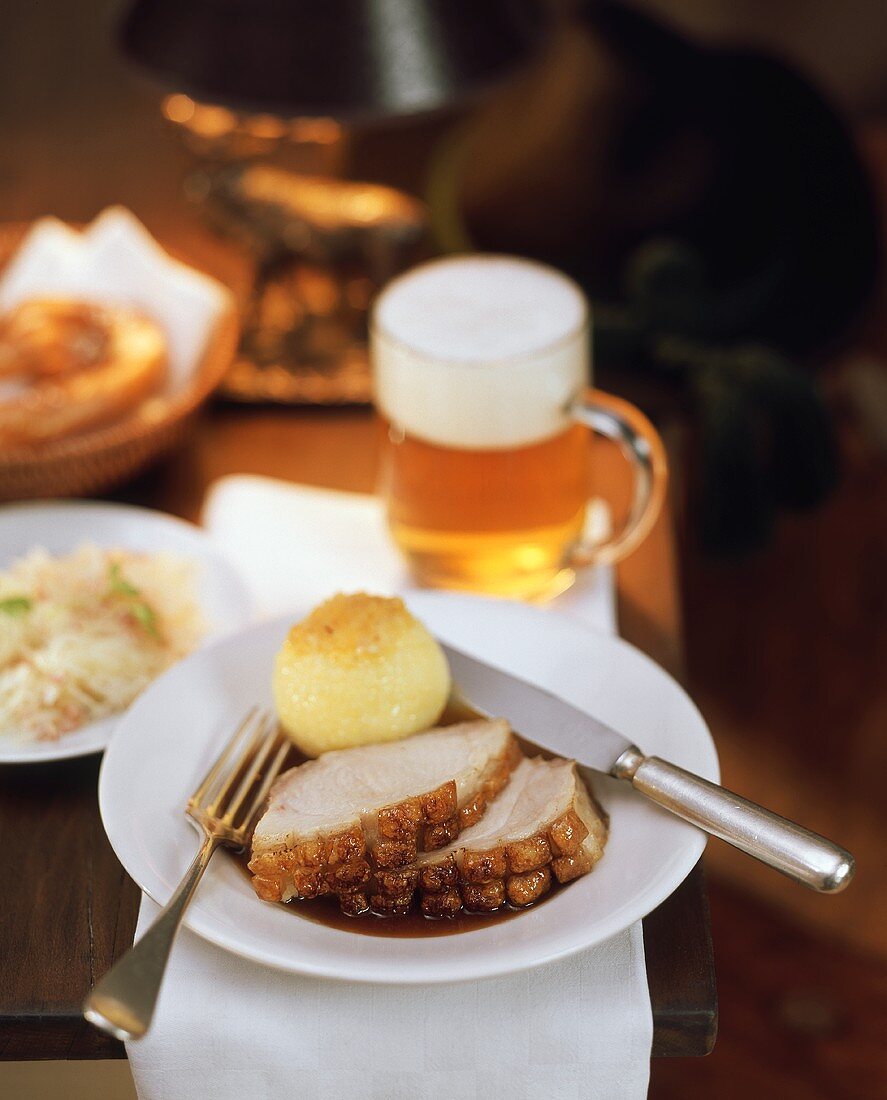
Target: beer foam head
(480,351)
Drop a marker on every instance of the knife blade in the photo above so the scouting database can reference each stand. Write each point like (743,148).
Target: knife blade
(551,723)
(560,728)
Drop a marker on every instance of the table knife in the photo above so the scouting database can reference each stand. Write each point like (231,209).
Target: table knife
(556,726)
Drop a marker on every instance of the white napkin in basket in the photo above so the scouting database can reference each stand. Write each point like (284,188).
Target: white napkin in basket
(225,1027)
(116,260)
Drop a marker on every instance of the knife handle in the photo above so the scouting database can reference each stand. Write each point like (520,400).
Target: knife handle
(795,851)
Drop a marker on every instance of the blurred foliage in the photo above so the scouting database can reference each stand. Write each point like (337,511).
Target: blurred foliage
(765,438)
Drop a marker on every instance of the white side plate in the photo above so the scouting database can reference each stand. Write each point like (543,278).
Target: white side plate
(61,527)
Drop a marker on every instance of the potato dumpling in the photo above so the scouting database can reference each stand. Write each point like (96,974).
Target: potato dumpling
(358,669)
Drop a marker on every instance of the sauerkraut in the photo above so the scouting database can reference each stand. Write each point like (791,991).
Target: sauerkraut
(82,635)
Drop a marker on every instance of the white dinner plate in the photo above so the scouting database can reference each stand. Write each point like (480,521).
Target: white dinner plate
(167,740)
(61,527)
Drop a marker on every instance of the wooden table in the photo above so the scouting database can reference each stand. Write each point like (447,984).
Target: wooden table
(68,909)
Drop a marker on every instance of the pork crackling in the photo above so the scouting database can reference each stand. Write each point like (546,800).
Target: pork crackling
(343,822)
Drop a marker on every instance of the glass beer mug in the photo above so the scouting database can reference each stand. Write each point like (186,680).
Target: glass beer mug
(481,368)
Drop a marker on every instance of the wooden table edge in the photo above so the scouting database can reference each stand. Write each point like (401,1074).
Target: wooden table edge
(676,1032)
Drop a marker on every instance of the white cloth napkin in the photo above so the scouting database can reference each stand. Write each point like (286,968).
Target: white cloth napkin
(116,260)
(579,1029)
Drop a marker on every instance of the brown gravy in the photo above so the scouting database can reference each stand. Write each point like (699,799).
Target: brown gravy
(412,925)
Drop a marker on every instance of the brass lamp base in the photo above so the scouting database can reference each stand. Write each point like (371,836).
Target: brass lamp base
(323,248)
(348,383)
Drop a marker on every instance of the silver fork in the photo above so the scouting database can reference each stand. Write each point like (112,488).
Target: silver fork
(122,1003)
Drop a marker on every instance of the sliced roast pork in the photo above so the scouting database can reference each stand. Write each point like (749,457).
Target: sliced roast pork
(336,823)
(543,827)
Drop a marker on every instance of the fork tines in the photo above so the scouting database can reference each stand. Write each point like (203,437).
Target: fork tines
(247,765)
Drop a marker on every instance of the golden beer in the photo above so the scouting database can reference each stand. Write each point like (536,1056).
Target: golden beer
(481,368)
(498,521)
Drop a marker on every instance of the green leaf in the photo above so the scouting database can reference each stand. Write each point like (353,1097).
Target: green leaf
(118,583)
(144,614)
(140,609)
(15,606)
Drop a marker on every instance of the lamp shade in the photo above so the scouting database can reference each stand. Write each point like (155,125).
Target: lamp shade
(348,59)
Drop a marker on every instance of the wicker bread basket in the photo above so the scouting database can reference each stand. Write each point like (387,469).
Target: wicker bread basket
(101,458)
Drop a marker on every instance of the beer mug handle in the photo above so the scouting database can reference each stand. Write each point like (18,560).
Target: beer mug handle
(642,446)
